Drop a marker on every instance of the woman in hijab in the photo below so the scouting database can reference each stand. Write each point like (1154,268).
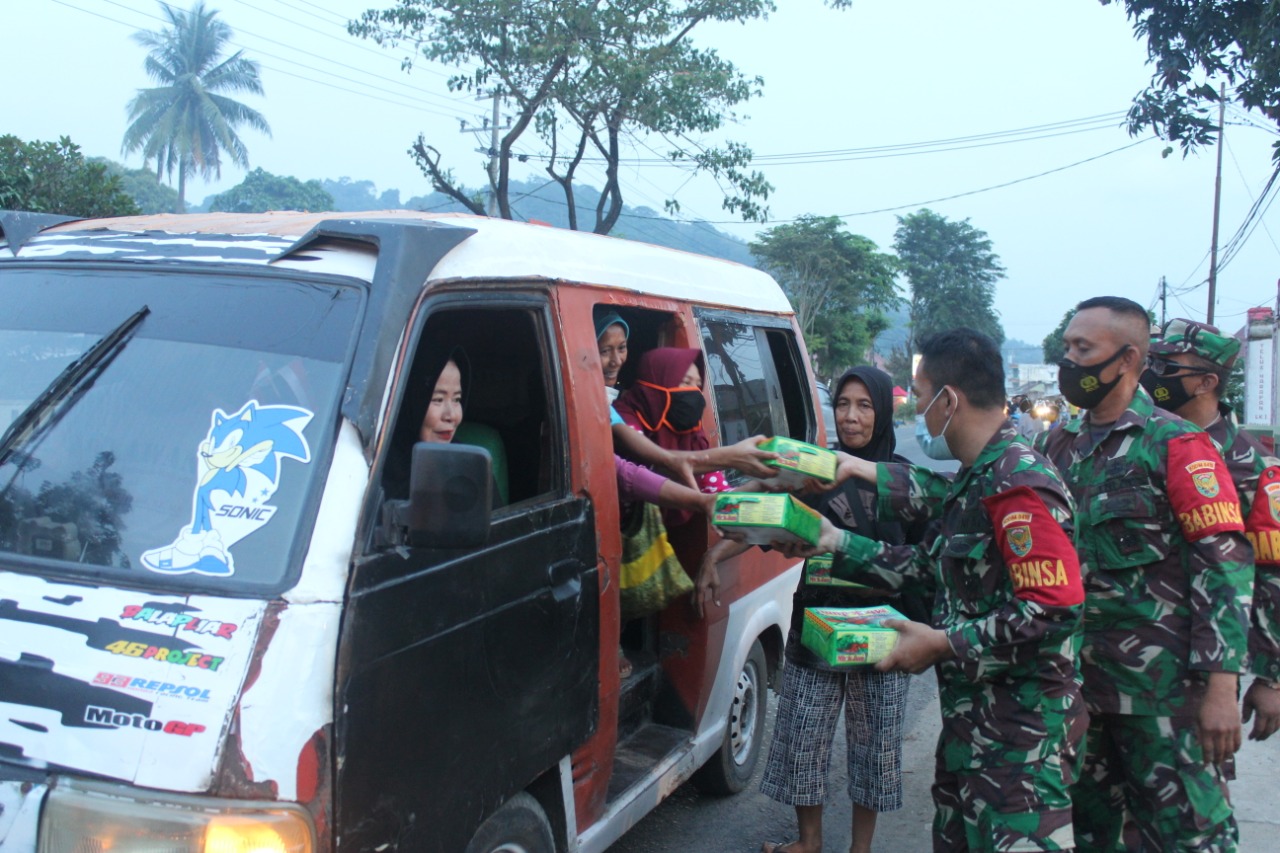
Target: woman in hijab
(666,404)
(433,414)
(813,692)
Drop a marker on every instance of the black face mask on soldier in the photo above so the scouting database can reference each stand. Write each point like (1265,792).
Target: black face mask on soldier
(1163,381)
(686,409)
(1082,386)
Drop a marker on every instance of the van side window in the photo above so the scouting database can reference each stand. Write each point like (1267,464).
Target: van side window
(756,378)
(509,408)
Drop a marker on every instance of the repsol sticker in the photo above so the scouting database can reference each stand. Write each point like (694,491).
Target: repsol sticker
(164,655)
(142,685)
(178,618)
(111,718)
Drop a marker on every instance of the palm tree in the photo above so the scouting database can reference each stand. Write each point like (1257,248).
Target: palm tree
(186,123)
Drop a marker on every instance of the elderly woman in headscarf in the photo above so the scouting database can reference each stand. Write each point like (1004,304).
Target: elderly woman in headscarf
(814,693)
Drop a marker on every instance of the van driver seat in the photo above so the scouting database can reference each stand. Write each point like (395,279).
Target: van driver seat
(482,435)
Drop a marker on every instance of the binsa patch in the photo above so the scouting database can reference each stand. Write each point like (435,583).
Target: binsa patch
(1263,524)
(1041,559)
(1201,492)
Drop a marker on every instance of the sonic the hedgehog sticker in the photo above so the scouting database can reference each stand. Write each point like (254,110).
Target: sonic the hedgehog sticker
(239,471)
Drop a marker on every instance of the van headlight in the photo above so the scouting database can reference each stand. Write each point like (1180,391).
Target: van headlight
(85,817)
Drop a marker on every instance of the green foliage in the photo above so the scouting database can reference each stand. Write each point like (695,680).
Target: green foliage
(838,283)
(261,191)
(188,122)
(142,186)
(1195,47)
(1055,349)
(582,78)
(953,274)
(54,177)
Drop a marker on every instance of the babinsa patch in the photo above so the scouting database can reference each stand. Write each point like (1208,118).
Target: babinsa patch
(1017,526)
(1204,477)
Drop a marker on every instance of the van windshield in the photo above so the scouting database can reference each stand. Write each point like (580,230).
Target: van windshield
(181,453)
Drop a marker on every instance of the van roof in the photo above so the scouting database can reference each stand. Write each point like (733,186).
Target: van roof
(497,250)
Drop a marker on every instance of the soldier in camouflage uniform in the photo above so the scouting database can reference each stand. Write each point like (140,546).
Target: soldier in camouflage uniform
(1007,607)
(1168,574)
(1186,373)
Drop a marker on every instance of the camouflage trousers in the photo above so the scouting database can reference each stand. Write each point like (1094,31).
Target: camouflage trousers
(1150,771)
(1013,807)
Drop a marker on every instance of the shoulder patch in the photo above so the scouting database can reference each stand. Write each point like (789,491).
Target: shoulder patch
(1041,559)
(1263,524)
(1200,490)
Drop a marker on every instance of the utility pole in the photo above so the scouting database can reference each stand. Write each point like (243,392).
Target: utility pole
(493,164)
(1164,295)
(494,167)
(1217,199)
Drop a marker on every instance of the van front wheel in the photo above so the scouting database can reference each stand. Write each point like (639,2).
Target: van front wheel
(730,769)
(520,826)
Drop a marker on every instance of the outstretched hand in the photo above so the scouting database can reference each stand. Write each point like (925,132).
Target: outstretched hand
(747,457)
(918,648)
(828,543)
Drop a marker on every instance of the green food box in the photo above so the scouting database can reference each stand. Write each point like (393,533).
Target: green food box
(799,461)
(760,518)
(849,636)
(817,572)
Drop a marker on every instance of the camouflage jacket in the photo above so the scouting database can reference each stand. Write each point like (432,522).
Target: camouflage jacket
(1007,592)
(1167,569)
(1248,463)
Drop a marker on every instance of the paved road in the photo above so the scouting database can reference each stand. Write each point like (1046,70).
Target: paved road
(689,821)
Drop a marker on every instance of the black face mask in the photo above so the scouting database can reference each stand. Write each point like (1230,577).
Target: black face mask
(1168,391)
(686,410)
(1081,385)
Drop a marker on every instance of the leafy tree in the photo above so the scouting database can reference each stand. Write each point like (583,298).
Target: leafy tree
(142,186)
(1196,45)
(1055,349)
(261,191)
(582,78)
(837,282)
(54,177)
(187,123)
(953,275)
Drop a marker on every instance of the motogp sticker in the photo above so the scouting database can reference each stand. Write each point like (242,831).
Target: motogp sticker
(239,471)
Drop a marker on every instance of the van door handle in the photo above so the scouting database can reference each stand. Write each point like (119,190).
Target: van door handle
(565,579)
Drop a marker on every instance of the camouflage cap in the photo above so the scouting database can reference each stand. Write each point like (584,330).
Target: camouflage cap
(1198,339)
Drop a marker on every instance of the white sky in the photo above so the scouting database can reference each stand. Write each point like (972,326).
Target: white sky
(880,74)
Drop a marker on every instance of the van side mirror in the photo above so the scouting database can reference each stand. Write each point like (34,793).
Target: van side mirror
(450,496)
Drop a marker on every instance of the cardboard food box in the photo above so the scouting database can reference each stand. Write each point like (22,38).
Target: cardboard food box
(798,461)
(765,518)
(817,571)
(849,636)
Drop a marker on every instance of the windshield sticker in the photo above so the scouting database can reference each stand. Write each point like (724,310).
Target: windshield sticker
(178,617)
(142,685)
(239,472)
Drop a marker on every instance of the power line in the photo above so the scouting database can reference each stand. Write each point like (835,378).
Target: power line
(999,186)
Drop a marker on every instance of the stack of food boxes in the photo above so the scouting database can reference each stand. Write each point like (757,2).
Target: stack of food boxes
(852,636)
(762,518)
